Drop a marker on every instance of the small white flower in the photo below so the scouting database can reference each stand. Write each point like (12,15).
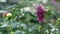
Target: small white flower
(23,14)
(13,8)
(54,29)
(27,9)
(47,31)
(21,9)
(34,4)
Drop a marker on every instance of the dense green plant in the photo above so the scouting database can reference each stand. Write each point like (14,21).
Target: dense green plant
(25,22)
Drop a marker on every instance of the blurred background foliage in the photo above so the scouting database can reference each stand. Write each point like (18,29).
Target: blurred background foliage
(24,19)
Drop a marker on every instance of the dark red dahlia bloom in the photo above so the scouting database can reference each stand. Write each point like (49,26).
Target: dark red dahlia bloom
(40,12)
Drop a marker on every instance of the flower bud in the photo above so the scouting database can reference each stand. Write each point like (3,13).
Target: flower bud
(9,15)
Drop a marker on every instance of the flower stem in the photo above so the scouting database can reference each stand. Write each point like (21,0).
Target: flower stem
(10,27)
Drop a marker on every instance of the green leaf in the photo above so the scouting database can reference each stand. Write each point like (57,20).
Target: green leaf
(48,12)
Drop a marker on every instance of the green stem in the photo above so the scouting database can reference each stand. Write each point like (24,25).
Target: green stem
(55,28)
(10,27)
(47,23)
(55,31)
